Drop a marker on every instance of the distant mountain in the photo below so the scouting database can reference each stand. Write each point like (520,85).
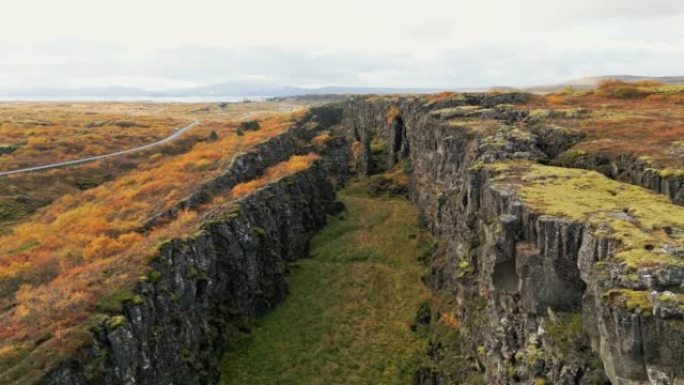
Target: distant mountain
(247,89)
(228,90)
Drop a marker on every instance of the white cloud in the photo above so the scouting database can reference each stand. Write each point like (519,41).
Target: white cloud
(432,43)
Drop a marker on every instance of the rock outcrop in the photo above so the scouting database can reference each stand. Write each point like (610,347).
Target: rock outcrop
(200,290)
(541,295)
(549,274)
(631,169)
(201,287)
(250,164)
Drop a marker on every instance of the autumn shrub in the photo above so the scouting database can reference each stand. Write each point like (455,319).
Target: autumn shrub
(391,114)
(87,246)
(667,98)
(619,122)
(250,125)
(72,134)
(294,164)
(320,140)
(556,99)
(623,90)
(442,96)
(629,93)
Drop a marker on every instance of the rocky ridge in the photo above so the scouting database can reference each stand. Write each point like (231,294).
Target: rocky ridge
(541,293)
(200,289)
(553,275)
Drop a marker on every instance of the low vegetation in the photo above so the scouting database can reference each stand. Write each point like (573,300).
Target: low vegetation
(642,118)
(348,317)
(40,133)
(292,165)
(250,125)
(48,133)
(647,225)
(74,262)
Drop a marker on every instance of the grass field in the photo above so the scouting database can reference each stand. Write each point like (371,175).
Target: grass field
(348,317)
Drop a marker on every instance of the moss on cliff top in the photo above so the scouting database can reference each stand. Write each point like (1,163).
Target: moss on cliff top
(671,172)
(477,127)
(648,226)
(632,300)
(455,112)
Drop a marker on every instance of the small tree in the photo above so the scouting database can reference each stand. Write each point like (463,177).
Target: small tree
(213,136)
(250,125)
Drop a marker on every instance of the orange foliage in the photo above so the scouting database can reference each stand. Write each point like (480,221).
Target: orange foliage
(556,99)
(441,96)
(356,152)
(51,133)
(320,140)
(392,113)
(294,164)
(449,320)
(84,247)
(613,84)
(673,99)
(624,90)
(646,120)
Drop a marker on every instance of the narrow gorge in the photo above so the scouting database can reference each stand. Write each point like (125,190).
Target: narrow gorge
(480,244)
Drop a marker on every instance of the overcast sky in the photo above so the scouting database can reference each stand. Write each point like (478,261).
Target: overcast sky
(162,44)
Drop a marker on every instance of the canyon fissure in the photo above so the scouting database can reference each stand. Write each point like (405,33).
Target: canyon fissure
(539,271)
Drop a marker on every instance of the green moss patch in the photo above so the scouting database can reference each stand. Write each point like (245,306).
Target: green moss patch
(632,300)
(647,225)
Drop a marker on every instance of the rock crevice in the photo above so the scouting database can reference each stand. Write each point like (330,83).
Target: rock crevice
(200,290)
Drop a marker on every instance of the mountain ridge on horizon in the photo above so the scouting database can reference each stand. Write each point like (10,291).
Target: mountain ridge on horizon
(246,89)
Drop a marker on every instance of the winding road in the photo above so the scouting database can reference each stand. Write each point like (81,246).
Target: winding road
(73,162)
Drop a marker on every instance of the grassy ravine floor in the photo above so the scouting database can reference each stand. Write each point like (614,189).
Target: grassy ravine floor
(347,318)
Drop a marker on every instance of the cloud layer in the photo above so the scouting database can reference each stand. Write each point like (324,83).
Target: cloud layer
(433,43)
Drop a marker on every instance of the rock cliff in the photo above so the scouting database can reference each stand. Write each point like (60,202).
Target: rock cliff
(543,274)
(200,289)
(631,169)
(554,275)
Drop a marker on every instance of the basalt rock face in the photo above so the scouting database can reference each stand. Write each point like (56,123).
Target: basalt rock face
(201,289)
(202,286)
(531,292)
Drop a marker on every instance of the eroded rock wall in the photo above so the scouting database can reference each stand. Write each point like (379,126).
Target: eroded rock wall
(631,169)
(202,286)
(200,290)
(525,287)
